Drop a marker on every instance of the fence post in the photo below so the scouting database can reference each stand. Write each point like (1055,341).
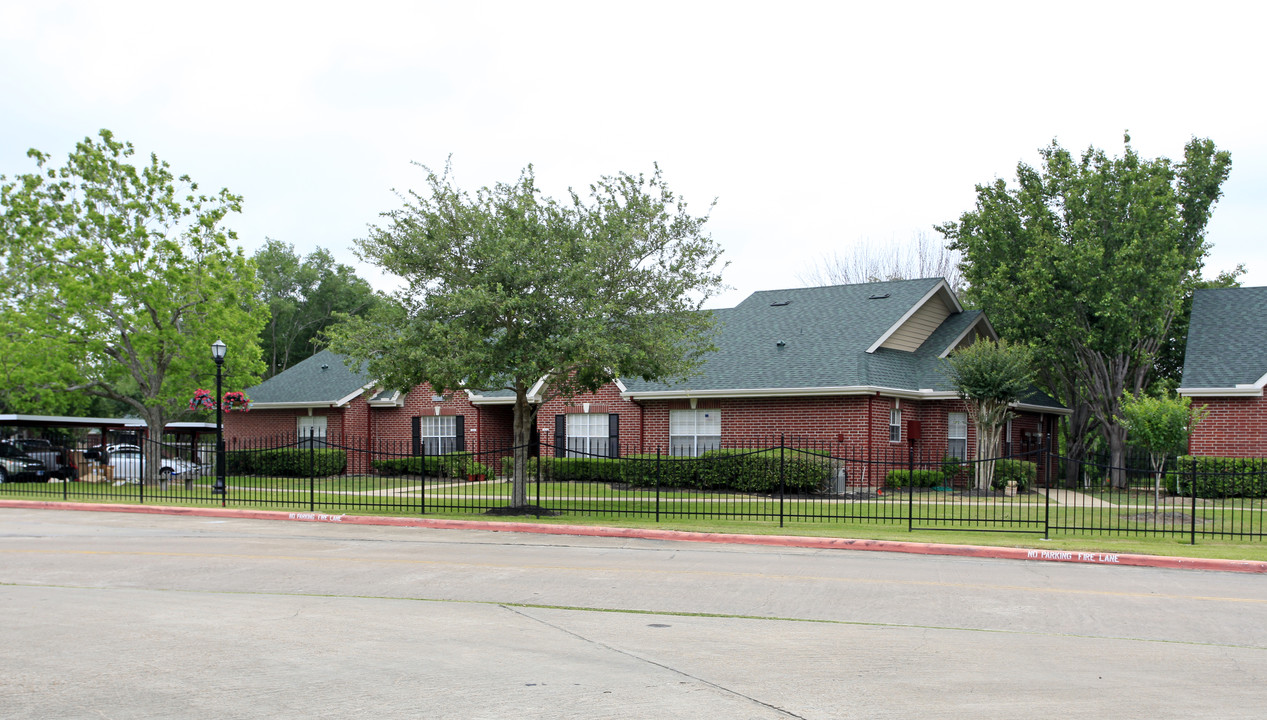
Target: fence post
(910,487)
(1192,488)
(538,503)
(782,445)
(312,469)
(422,472)
(1047,458)
(657,483)
(140,478)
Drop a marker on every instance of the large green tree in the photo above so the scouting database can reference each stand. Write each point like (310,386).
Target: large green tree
(505,287)
(119,279)
(304,296)
(1087,259)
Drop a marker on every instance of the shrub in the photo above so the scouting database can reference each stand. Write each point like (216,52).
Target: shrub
(738,470)
(289,462)
(759,472)
(1024,472)
(451,465)
(1218,477)
(918,478)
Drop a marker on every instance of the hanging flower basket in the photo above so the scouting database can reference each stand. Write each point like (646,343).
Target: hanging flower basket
(236,401)
(233,401)
(202,398)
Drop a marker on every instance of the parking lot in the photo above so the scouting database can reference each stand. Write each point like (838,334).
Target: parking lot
(152,616)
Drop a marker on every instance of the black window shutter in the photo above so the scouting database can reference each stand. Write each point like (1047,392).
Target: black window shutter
(560,435)
(613,435)
(417,433)
(459,427)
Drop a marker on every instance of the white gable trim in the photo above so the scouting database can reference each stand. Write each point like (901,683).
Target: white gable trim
(928,296)
(397,399)
(1254,389)
(980,319)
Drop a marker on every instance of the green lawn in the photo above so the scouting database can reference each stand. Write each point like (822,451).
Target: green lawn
(939,516)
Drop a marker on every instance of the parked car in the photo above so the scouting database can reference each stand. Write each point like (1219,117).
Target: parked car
(54,458)
(17,466)
(127,464)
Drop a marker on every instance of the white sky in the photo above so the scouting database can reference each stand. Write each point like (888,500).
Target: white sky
(816,126)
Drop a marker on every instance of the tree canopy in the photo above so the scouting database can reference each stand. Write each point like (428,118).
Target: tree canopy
(1160,425)
(1087,259)
(304,295)
(989,377)
(505,287)
(119,279)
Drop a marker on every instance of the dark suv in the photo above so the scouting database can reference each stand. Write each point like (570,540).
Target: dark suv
(17,466)
(53,457)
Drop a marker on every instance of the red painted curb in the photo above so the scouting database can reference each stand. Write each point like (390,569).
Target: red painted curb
(980,551)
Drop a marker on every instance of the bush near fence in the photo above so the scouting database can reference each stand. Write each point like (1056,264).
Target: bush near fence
(744,471)
(287,462)
(449,465)
(899,478)
(1218,477)
(1023,472)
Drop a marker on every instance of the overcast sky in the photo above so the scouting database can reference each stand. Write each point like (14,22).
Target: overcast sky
(815,126)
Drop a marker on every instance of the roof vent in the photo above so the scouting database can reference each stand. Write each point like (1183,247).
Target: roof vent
(780,303)
(781,343)
(878,297)
(325,367)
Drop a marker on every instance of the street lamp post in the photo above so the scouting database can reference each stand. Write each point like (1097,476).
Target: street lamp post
(217,353)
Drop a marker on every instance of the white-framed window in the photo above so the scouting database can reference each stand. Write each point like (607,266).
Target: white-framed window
(957,435)
(895,425)
(693,432)
(587,434)
(1007,438)
(311,427)
(438,434)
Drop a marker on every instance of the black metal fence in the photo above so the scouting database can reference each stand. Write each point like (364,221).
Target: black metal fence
(783,480)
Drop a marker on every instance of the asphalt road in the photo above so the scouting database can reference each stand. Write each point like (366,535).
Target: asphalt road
(150,616)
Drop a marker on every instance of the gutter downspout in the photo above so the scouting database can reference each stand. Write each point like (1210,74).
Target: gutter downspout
(870,436)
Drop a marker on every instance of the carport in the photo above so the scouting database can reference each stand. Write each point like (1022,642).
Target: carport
(182,433)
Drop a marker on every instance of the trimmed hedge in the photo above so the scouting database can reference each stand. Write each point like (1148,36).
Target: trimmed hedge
(734,470)
(286,463)
(451,465)
(1218,477)
(918,478)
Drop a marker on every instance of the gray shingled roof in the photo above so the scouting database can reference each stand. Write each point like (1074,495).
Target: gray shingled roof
(1227,338)
(321,379)
(826,331)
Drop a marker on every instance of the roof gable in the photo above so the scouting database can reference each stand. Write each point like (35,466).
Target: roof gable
(826,337)
(321,380)
(1227,342)
(920,321)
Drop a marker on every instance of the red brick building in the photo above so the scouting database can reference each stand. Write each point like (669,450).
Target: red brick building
(851,366)
(1225,371)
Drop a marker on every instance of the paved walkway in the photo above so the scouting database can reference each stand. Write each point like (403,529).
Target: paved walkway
(1074,498)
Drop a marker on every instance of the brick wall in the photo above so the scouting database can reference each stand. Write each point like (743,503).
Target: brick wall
(1235,427)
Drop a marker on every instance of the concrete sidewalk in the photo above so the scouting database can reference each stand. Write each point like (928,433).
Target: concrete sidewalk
(918,548)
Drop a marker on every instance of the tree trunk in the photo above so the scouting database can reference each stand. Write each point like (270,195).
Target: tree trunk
(1077,435)
(1159,467)
(1116,435)
(152,445)
(524,416)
